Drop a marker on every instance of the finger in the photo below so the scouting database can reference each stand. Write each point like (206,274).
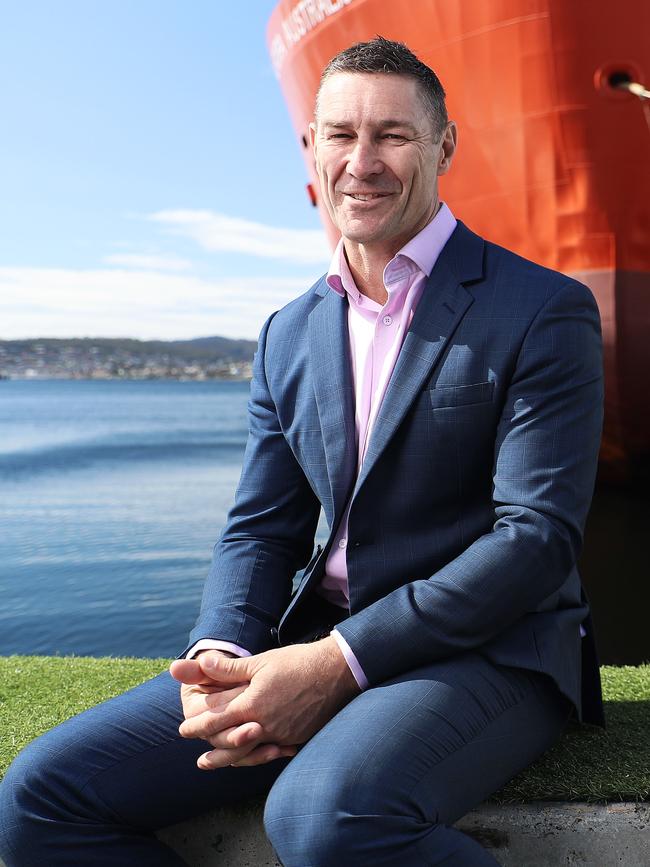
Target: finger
(196,701)
(209,723)
(195,671)
(220,758)
(220,699)
(246,735)
(243,757)
(224,669)
(263,754)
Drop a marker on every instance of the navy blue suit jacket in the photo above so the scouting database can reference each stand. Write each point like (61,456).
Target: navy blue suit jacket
(467,516)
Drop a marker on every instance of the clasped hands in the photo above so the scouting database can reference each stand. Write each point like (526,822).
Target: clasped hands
(255,709)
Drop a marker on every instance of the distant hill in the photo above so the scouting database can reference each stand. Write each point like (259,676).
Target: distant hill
(201,347)
(105,358)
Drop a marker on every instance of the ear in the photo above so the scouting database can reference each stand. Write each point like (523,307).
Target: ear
(447,148)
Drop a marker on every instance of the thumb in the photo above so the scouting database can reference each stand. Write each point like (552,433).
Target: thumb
(187,671)
(225,669)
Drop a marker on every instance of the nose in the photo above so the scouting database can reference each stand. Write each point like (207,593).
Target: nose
(364,160)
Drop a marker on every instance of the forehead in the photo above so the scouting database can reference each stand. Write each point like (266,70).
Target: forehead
(356,97)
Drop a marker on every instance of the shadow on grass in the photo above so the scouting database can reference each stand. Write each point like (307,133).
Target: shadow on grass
(591,764)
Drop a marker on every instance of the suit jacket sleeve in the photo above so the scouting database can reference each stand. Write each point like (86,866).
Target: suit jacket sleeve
(268,536)
(545,457)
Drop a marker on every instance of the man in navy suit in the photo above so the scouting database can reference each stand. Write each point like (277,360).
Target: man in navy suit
(440,399)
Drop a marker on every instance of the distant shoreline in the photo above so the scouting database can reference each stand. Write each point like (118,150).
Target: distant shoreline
(203,359)
(135,378)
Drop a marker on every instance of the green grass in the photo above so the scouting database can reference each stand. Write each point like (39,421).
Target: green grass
(39,692)
(588,764)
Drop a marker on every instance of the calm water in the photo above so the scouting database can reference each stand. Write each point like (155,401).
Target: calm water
(112,495)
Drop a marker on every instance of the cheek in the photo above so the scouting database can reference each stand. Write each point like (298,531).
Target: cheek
(324,178)
(403,173)
(324,170)
(419,187)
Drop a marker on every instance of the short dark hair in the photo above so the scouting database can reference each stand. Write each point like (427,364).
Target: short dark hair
(391,58)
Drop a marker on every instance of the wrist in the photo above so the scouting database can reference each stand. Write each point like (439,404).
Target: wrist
(337,667)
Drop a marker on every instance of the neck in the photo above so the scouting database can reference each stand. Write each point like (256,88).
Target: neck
(367,261)
(367,269)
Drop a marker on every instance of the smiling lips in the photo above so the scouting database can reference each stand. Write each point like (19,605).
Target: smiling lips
(366,197)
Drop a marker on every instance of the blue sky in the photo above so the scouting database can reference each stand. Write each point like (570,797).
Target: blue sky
(150,181)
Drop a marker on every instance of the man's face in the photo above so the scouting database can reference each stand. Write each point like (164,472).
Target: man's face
(377,157)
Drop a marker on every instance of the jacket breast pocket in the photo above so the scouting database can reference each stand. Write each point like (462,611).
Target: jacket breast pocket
(461,395)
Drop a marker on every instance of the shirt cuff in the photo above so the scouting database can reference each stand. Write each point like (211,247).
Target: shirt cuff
(352,661)
(215,644)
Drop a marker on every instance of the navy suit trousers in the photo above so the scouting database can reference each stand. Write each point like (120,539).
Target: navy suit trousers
(380,784)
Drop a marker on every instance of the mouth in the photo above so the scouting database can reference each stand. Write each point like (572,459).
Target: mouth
(366,197)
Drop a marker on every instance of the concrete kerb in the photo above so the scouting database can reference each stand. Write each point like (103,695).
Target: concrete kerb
(550,834)
(538,834)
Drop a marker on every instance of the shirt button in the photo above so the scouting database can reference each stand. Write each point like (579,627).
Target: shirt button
(343,543)
(388,320)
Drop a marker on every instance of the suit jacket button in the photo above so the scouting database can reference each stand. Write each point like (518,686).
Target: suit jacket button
(274,633)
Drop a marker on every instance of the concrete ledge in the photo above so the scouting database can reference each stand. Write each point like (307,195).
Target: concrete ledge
(540,834)
(550,834)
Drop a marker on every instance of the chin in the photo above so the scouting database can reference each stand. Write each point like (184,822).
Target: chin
(361,234)
(359,237)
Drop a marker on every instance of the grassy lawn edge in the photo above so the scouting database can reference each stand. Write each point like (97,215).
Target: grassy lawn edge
(587,764)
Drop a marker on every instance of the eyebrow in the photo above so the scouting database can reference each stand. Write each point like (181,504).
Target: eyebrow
(402,124)
(384,124)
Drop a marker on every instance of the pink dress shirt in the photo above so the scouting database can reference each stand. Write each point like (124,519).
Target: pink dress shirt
(376,335)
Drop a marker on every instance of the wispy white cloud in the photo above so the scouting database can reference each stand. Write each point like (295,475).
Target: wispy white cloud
(148,262)
(219,232)
(112,302)
(148,293)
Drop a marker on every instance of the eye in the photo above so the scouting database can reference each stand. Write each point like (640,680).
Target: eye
(339,135)
(393,136)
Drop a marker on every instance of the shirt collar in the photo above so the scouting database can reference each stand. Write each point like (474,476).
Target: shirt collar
(422,250)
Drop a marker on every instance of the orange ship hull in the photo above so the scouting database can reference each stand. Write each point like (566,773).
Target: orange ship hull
(553,162)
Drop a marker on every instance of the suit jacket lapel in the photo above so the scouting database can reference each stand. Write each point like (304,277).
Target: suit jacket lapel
(440,309)
(329,347)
